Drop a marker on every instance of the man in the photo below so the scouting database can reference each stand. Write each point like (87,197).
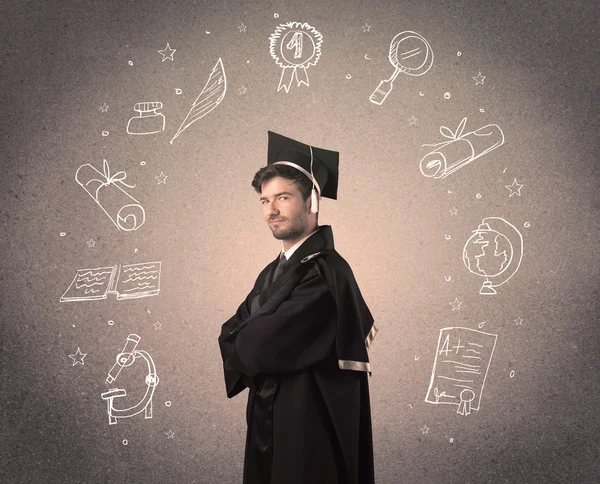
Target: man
(299,341)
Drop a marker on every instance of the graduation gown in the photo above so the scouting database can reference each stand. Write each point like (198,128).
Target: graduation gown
(300,345)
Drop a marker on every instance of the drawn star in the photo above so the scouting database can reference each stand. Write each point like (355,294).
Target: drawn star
(167,53)
(162,178)
(91,243)
(366,28)
(242,90)
(453,211)
(455,304)
(104,108)
(242,27)
(479,79)
(170,434)
(515,188)
(78,357)
(412,120)
(519,321)
(157,325)
(424,429)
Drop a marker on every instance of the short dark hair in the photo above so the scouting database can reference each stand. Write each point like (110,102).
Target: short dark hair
(271,171)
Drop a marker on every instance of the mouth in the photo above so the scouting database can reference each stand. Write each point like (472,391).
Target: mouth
(277,221)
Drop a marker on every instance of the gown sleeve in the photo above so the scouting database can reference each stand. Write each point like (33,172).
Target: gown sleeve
(235,381)
(295,335)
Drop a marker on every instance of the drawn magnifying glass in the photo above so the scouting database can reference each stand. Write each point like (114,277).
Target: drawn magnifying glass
(410,54)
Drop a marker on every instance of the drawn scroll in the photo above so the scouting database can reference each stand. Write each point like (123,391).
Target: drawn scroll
(108,191)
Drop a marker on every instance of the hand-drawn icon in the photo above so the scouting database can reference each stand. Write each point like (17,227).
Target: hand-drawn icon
(410,54)
(148,121)
(91,243)
(479,79)
(460,370)
(447,95)
(157,325)
(242,90)
(455,304)
(514,189)
(104,108)
(105,133)
(127,282)
(211,96)
(170,434)
(494,252)
(366,28)
(453,211)
(167,53)
(424,430)
(108,192)
(295,47)
(412,120)
(461,149)
(78,357)
(162,178)
(242,28)
(519,321)
(125,359)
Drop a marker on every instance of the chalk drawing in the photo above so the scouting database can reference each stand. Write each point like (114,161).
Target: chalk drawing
(126,282)
(455,304)
(108,191)
(78,357)
(366,28)
(148,120)
(479,79)
(494,252)
(209,98)
(295,47)
(162,178)
(462,361)
(167,53)
(460,149)
(409,54)
(104,108)
(125,359)
(514,189)
(242,28)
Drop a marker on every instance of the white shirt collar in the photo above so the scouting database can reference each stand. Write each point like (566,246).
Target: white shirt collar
(294,247)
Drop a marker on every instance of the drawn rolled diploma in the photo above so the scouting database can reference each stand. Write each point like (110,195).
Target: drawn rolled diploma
(124,210)
(454,154)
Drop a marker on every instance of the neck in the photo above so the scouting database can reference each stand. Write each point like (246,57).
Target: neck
(289,243)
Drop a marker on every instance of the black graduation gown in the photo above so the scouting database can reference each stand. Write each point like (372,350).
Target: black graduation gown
(309,421)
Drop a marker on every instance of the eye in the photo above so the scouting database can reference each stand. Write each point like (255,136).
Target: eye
(283,197)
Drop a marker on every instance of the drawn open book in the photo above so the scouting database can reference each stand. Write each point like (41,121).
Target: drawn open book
(127,282)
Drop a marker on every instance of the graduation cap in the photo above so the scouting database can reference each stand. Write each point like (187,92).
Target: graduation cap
(318,164)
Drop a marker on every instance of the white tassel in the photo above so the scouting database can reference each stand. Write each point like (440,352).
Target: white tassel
(314,204)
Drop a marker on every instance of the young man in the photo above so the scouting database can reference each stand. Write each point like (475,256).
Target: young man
(299,341)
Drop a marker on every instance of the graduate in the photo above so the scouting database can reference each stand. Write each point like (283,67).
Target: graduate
(299,341)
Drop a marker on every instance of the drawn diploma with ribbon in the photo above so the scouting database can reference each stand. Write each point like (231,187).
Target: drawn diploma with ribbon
(295,47)
(108,191)
(460,149)
(461,364)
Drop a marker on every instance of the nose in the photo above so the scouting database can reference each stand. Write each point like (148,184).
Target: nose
(272,208)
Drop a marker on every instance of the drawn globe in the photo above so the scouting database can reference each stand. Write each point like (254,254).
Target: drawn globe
(487,253)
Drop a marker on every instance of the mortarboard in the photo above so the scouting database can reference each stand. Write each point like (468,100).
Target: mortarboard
(319,165)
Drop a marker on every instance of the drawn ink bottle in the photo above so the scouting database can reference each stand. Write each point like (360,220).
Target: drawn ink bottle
(149,121)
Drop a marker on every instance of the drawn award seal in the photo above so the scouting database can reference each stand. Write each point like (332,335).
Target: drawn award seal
(295,47)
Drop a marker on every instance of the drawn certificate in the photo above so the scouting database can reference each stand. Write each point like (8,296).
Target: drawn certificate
(462,360)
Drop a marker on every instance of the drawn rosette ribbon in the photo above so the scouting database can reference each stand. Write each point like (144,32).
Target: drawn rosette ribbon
(295,47)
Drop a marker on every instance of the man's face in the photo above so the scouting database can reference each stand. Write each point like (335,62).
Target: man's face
(286,213)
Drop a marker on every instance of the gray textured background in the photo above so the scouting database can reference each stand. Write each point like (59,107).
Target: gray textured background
(60,61)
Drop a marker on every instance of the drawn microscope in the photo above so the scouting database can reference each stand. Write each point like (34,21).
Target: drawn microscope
(126,358)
